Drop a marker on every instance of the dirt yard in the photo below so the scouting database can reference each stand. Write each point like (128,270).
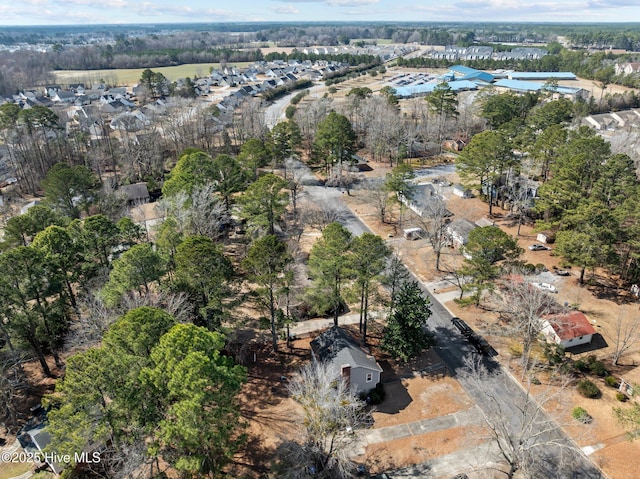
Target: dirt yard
(412,397)
(601,301)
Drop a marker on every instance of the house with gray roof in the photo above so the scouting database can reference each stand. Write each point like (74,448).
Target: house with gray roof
(347,359)
(425,201)
(458,230)
(40,439)
(64,97)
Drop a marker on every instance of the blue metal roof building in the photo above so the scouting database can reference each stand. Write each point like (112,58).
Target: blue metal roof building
(482,76)
(541,76)
(529,86)
(466,73)
(462,70)
(417,90)
(519,85)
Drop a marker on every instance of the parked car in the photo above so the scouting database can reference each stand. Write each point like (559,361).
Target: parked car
(538,247)
(563,272)
(546,287)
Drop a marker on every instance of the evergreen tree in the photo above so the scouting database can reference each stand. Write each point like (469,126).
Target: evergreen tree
(405,335)
(329,265)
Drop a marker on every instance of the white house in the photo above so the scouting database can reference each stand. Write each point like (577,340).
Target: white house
(347,359)
(568,329)
(424,200)
(459,230)
(627,68)
(462,191)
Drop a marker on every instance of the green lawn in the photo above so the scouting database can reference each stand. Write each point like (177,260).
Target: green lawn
(13,469)
(131,76)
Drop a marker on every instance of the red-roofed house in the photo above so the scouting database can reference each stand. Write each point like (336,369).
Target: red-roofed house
(568,329)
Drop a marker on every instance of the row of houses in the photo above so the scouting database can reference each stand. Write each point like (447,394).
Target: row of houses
(568,329)
(384,52)
(475,52)
(614,120)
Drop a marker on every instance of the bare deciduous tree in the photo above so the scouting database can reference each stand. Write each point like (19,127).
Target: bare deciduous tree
(529,441)
(522,306)
(295,179)
(320,215)
(384,129)
(308,115)
(395,276)
(626,333)
(200,213)
(96,317)
(249,121)
(142,155)
(434,223)
(12,379)
(376,195)
(329,423)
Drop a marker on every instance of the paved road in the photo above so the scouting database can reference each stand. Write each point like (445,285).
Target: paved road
(276,111)
(561,462)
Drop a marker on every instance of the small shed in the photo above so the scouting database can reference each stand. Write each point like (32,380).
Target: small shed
(462,191)
(568,329)
(453,145)
(348,360)
(547,237)
(482,222)
(28,206)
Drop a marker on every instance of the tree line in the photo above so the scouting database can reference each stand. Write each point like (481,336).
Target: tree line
(74,276)
(586,193)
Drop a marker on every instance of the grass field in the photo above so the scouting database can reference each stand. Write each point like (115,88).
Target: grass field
(131,76)
(379,41)
(14,469)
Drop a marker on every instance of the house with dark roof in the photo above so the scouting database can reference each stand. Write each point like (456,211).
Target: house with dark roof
(347,359)
(135,194)
(568,329)
(40,438)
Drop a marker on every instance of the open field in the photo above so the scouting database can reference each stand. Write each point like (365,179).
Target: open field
(369,41)
(130,76)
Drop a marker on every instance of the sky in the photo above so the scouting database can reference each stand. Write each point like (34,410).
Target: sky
(71,12)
